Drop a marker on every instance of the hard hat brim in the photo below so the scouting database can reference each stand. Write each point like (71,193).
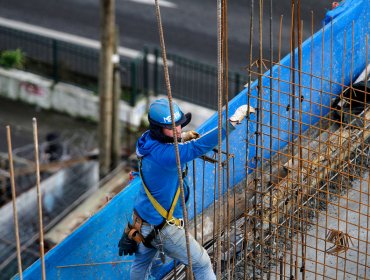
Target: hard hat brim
(185,119)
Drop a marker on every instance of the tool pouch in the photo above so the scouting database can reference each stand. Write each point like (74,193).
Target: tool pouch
(134,230)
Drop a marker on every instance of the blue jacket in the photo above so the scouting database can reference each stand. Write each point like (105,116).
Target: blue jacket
(159,171)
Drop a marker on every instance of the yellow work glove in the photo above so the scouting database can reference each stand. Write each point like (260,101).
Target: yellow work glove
(189,135)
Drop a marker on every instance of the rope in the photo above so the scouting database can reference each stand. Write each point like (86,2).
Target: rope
(179,171)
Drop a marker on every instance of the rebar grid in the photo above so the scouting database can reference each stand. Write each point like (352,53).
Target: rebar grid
(303,210)
(314,183)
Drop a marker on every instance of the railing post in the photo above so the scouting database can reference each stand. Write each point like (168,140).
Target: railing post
(145,71)
(155,74)
(237,83)
(55,61)
(133,83)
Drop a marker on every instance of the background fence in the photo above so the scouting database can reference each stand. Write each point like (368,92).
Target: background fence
(62,61)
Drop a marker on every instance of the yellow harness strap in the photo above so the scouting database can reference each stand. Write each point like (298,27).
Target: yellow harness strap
(168,216)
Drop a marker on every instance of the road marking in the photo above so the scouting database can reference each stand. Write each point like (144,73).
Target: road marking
(163,3)
(74,39)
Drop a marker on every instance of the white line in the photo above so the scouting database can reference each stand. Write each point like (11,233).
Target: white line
(126,52)
(163,3)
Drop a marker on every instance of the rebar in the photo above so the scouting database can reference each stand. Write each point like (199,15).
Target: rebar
(220,88)
(14,197)
(179,171)
(39,198)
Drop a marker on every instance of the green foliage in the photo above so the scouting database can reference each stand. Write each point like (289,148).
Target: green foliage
(12,59)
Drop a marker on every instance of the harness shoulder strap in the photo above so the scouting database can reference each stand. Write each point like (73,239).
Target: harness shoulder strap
(163,212)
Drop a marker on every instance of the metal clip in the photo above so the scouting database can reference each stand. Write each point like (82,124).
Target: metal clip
(160,249)
(172,222)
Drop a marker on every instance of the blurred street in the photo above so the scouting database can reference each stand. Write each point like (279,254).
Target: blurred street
(189,26)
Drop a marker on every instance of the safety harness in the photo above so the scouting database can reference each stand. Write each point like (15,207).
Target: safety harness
(134,231)
(167,215)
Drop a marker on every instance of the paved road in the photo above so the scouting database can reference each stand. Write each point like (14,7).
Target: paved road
(190,26)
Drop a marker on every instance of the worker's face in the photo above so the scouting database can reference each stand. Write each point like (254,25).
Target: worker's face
(169,132)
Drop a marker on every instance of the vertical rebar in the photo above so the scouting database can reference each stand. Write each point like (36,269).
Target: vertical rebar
(225,54)
(14,200)
(277,237)
(234,218)
(260,136)
(220,76)
(319,190)
(349,136)
(362,169)
(300,206)
(291,133)
(39,197)
(195,199)
(340,139)
(270,142)
(329,122)
(368,174)
(246,186)
(310,177)
(179,171)
(203,186)
(215,219)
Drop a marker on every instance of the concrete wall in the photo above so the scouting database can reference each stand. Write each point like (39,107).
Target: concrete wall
(75,101)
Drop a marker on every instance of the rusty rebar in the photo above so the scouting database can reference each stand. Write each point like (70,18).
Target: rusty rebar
(14,201)
(39,198)
(179,171)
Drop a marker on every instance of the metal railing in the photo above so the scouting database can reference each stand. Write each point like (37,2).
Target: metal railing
(63,61)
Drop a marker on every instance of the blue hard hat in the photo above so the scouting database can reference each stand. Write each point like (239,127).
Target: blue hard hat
(160,114)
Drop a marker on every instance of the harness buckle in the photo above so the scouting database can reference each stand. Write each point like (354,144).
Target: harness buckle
(176,222)
(181,226)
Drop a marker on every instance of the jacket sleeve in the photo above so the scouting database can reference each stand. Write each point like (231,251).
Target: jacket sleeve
(190,149)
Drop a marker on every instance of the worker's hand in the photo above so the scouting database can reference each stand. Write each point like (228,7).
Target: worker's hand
(126,245)
(189,135)
(241,113)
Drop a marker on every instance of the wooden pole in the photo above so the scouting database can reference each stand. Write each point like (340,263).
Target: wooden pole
(116,125)
(39,197)
(14,196)
(106,85)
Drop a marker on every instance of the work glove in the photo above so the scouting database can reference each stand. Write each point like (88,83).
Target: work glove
(241,113)
(189,135)
(126,245)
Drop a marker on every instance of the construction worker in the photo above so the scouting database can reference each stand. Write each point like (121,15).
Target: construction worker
(157,219)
